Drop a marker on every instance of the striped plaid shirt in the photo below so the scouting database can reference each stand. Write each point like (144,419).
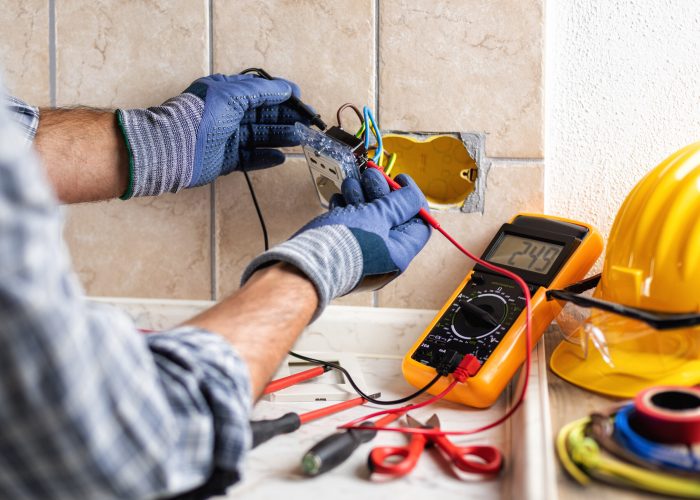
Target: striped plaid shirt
(89,407)
(25,116)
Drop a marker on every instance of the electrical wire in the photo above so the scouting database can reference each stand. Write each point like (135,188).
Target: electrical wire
(467,366)
(362,131)
(358,390)
(263,227)
(390,165)
(351,106)
(582,458)
(370,121)
(258,71)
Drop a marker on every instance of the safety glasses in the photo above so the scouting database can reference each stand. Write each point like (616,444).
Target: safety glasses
(573,294)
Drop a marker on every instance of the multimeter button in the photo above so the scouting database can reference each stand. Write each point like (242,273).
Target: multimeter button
(477,279)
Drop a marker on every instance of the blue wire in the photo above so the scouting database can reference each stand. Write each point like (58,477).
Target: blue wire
(649,450)
(369,119)
(368,128)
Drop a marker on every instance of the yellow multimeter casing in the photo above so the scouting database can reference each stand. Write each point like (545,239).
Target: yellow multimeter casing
(485,316)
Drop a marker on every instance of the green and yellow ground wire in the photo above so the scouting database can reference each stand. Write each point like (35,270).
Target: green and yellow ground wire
(582,458)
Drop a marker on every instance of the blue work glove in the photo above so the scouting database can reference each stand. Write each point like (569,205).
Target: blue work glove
(217,125)
(367,238)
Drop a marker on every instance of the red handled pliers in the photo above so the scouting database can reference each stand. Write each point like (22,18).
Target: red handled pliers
(476,459)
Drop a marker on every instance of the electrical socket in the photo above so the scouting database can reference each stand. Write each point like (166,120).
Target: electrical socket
(332,157)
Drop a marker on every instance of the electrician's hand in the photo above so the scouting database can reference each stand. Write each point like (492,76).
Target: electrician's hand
(217,125)
(367,238)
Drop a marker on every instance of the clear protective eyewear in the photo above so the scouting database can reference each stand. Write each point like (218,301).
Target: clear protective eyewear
(616,349)
(573,294)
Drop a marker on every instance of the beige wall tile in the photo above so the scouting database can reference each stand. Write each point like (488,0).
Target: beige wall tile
(327,48)
(287,200)
(115,53)
(150,247)
(468,66)
(434,274)
(24,52)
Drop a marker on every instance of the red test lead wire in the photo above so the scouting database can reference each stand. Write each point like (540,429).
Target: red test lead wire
(355,424)
(425,215)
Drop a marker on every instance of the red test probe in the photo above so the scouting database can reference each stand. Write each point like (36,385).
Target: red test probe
(290,380)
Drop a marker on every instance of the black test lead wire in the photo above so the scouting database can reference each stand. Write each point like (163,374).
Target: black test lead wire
(293,100)
(358,390)
(266,241)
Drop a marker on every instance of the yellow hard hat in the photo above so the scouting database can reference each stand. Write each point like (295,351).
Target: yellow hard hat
(643,321)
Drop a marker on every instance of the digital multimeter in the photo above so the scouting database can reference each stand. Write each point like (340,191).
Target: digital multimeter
(485,316)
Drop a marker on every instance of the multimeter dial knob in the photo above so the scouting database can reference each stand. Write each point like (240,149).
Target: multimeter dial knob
(479,316)
(475,321)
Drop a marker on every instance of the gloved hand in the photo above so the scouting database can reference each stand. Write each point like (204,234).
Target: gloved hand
(219,124)
(367,238)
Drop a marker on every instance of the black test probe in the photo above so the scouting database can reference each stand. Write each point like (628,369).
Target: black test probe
(293,100)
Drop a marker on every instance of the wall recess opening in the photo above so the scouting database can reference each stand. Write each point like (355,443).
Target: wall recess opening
(449,167)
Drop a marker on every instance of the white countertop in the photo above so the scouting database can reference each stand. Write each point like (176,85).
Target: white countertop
(379,337)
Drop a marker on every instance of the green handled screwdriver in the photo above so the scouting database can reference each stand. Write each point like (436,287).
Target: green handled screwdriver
(333,450)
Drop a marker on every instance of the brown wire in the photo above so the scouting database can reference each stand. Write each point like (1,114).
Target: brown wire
(351,106)
(601,429)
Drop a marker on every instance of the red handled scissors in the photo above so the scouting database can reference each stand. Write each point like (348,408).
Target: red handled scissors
(474,459)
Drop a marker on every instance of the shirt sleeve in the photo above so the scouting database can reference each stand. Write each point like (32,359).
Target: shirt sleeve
(25,116)
(89,406)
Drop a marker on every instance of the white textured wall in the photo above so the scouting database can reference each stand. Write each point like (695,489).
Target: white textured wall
(622,93)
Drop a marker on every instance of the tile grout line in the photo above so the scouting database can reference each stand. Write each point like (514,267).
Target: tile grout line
(212,240)
(376,60)
(213,254)
(52,53)
(374,300)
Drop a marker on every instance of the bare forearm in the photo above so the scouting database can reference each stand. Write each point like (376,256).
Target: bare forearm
(263,319)
(84,154)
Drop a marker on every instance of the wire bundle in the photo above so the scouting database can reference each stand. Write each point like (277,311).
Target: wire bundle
(605,447)
(368,123)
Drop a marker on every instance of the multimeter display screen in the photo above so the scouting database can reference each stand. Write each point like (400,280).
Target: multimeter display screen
(524,253)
